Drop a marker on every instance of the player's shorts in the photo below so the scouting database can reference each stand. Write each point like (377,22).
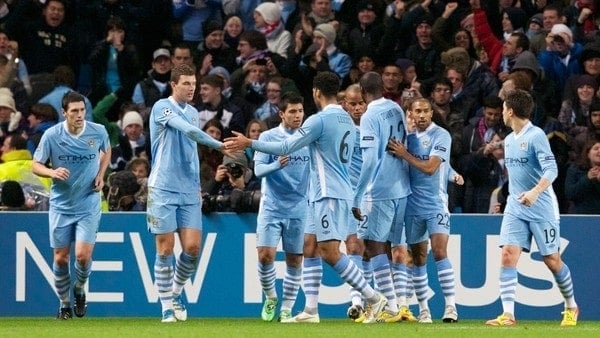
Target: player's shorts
(66,228)
(330,219)
(518,232)
(382,219)
(354,224)
(269,230)
(168,211)
(420,227)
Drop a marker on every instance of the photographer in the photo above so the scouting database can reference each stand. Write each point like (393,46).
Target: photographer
(485,171)
(232,188)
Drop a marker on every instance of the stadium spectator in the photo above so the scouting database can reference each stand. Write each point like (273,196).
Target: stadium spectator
(574,113)
(64,81)
(41,117)
(10,118)
(213,51)
(591,132)
(12,197)
(582,185)
(182,53)
(156,84)
(114,62)
(267,20)
(233,28)
(122,187)
(10,49)
(213,105)
(211,158)
(132,141)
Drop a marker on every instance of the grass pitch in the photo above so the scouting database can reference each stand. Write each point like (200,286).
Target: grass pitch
(90,327)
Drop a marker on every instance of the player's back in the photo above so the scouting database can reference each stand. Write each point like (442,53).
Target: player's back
(384,120)
(175,164)
(331,152)
(429,191)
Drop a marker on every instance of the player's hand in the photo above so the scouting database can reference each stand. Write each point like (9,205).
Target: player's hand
(61,173)
(529,197)
(357,214)
(98,183)
(237,142)
(458,179)
(397,148)
(283,160)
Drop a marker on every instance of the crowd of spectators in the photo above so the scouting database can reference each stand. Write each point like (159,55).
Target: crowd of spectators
(463,55)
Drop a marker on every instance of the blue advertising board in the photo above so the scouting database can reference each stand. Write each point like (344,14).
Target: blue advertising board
(226,283)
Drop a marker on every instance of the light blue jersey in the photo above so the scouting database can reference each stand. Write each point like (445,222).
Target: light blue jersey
(383,176)
(80,154)
(174,134)
(330,135)
(429,193)
(284,190)
(356,161)
(528,158)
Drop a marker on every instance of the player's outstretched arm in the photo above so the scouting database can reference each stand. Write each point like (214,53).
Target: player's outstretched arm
(194,132)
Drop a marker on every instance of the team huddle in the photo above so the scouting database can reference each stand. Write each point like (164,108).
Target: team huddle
(361,170)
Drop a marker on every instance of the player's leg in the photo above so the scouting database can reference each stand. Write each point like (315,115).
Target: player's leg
(291,285)
(163,274)
(355,251)
(60,240)
(268,234)
(185,266)
(312,273)
(85,238)
(331,218)
(402,279)
(547,237)
(417,238)
(292,243)
(439,230)
(514,237)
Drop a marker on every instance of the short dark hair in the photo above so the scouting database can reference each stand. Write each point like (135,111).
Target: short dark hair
(12,195)
(213,81)
(44,112)
(17,142)
(64,75)
(115,22)
(371,83)
(289,98)
(520,102)
(328,83)
(70,97)
(522,40)
(182,70)
(255,39)
(492,101)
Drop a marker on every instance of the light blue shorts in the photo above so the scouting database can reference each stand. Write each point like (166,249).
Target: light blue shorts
(269,230)
(64,229)
(384,220)
(330,219)
(420,227)
(168,211)
(518,232)
(310,227)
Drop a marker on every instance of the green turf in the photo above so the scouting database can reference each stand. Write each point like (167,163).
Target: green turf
(236,327)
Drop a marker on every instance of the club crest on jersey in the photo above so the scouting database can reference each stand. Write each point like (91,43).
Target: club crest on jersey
(91,143)
(167,111)
(425,143)
(523,146)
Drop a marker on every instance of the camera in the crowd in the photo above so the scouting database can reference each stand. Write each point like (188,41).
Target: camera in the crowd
(235,170)
(237,201)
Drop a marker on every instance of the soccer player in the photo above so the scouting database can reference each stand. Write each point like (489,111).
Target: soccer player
(79,152)
(329,135)
(531,209)
(283,208)
(427,215)
(353,103)
(174,189)
(382,188)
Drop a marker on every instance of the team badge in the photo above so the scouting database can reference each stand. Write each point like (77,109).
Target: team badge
(425,143)
(167,111)
(91,143)
(523,146)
